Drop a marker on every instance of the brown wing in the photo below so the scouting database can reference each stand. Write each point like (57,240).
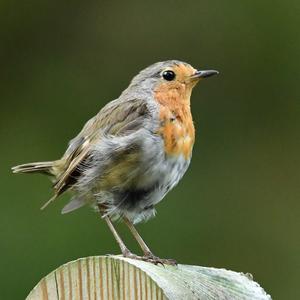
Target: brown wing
(116,118)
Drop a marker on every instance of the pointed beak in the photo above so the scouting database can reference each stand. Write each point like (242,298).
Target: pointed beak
(204,74)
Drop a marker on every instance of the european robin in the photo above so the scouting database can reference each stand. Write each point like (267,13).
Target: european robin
(133,152)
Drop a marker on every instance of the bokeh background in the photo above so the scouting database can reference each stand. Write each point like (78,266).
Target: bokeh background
(238,205)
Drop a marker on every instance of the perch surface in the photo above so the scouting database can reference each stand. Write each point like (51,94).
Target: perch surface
(116,277)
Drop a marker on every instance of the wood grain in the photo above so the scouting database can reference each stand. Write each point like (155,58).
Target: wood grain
(115,277)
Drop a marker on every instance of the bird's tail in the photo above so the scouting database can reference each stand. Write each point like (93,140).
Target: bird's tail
(45,167)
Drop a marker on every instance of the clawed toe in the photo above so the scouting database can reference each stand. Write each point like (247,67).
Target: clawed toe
(129,254)
(156,260)
(151,259)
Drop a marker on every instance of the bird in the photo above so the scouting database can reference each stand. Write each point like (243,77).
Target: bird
(132,152)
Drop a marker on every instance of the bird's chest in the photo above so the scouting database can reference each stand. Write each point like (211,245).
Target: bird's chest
(177,131)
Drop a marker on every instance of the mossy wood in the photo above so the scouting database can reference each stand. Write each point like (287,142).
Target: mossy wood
(115,277)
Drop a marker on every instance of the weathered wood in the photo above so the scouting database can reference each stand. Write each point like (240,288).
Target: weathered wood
(115,277)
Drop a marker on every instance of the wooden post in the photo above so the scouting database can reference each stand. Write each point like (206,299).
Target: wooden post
(116,277)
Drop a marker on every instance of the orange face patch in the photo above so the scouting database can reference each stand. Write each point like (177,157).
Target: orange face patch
(177,128)
(183,73)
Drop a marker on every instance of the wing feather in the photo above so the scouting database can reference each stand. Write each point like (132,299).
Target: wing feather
(115,119)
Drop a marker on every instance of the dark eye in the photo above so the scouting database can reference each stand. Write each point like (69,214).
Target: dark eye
(168,75)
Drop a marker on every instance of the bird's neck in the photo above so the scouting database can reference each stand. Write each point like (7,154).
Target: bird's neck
(177,128)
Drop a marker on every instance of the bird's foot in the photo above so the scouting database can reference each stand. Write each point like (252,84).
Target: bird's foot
(156,260)
(127,253)
(150,258)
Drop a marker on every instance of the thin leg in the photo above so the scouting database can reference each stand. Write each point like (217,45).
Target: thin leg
(120,242)
(138,238)
(148,255)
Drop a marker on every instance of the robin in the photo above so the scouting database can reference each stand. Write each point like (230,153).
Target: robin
(132,153)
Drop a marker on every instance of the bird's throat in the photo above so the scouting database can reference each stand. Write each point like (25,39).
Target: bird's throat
(176,123)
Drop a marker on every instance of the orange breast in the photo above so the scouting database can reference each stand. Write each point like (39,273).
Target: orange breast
(177,128)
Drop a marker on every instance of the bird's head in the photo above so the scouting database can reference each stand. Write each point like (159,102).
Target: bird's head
(170,77)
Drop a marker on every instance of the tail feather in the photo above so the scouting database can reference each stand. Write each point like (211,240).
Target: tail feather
(75,203)
(36,167)
(45,167)
(49,201)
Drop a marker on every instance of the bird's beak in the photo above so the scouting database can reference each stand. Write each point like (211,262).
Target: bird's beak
(203,74)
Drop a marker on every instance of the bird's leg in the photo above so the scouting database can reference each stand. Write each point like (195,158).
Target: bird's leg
(138,238)
(148,255)
(125,251)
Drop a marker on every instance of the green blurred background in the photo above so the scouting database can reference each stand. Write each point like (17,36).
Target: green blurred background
(238,205)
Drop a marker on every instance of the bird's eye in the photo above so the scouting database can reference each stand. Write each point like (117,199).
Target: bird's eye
(168,75)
